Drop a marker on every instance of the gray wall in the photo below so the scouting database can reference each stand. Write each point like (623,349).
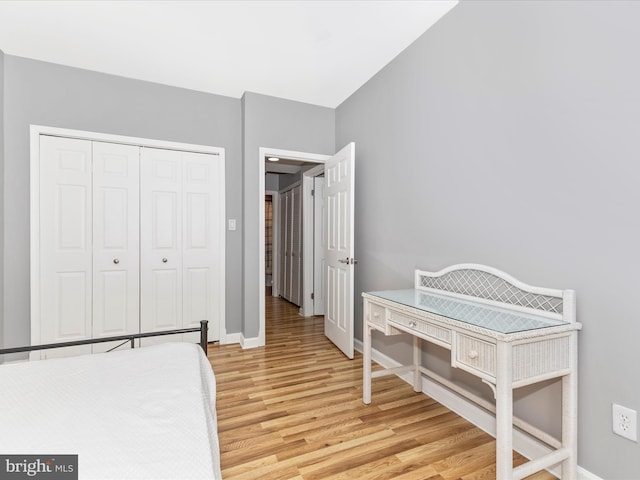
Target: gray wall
(53,95)
(282,124)
(508,135)
(272,182)
(289,179)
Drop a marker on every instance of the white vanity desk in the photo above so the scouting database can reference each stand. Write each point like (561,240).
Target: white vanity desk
(499,329)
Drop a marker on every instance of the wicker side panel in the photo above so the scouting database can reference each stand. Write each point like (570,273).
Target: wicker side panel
(539,358)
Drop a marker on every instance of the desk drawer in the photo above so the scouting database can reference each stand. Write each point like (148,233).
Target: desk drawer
(422,326)
(377,314)
(475,353)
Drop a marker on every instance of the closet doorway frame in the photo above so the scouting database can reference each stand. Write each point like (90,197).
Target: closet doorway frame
(34,198)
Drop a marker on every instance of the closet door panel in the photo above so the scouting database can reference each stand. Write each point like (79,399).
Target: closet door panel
(288,243)
(165,305)
(201,224)
(65,243)
(116,177)
(282,238)
(296,244)
(160,242)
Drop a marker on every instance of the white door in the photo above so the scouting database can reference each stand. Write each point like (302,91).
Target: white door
(296,244)
(160,242)
(287,247)
(319,246)
(180,234)
(282,238)
(65,255)
(116,308)
(201,260)
(339,202)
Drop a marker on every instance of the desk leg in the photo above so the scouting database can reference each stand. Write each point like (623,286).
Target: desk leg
(570,413)
(366,364)
(504,413)
(417,361)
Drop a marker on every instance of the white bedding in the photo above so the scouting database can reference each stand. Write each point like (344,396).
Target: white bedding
(147,413)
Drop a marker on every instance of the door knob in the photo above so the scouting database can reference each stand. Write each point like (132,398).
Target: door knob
(116,261)
(348,261)
(164,260)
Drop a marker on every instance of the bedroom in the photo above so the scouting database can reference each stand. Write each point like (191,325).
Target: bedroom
(505,135)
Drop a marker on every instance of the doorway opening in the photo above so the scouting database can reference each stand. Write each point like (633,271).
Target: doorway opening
(275,178)
(268,241)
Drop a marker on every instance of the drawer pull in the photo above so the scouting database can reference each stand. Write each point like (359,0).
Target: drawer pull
(413,324)
(473,354)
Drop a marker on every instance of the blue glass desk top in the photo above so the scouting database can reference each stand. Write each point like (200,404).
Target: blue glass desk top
(500,320)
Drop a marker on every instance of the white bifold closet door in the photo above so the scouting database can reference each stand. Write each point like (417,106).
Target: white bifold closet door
(129,240)
(287,245)
(291,244)
(178,242)
(282,238)
(296,245)
(116,233)
(88,242)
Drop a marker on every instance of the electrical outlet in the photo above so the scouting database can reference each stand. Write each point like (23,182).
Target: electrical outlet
(625,422)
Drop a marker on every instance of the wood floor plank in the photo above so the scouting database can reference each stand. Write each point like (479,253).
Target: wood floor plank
(293,410)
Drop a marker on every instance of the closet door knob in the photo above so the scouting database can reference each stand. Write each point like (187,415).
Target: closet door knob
(164,260)
(116,261)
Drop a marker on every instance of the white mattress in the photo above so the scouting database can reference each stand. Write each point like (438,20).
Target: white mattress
(147,413)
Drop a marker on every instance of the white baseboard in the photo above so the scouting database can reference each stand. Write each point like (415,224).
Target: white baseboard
(230,338)
(251,342)
(524,444)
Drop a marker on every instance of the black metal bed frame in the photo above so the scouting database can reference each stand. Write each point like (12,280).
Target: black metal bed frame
(203,329)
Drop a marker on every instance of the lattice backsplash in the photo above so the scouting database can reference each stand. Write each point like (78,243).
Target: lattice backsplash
(477,283)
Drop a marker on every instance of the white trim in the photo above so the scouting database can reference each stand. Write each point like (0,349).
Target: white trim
(307,239)
(232,338)
(251,342)
(34,234)
(584,474)
(36,130)
(264,152)
(109,138)
(524,444)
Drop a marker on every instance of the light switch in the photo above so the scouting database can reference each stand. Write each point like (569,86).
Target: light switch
(232,224)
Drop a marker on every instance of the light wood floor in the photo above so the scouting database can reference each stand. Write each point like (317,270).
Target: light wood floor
(293,410)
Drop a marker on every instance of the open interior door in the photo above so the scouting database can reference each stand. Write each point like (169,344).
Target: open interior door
(338,228)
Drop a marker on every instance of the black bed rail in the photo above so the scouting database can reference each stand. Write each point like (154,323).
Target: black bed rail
(203,329)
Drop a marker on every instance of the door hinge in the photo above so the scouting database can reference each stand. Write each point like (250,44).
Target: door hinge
(313,192)
(312,296)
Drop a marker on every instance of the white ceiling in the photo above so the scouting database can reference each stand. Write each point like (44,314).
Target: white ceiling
(318,52)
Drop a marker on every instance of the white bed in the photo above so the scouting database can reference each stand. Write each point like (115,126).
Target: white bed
(147,413)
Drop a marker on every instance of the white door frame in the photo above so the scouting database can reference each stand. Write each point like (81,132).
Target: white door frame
(307,238)
(319,247)
(37,130)
(263,153)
